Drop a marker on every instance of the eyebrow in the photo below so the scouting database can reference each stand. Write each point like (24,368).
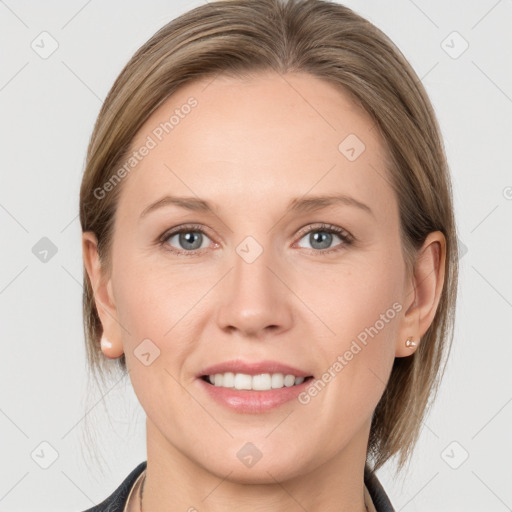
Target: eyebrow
(296,205)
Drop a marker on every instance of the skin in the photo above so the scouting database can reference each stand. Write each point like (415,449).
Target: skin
(249,147)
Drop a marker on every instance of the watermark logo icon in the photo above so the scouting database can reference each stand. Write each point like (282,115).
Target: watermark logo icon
(249,454)
(146,352)
(454,455)
(44,45)
(44,250)
(454,45)
(44,455)
(249,249)
(351,147)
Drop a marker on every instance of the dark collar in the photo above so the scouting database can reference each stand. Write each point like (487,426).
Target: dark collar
(117,500)
(378,494)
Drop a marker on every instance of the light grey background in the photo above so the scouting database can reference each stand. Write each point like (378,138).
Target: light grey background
(48,107)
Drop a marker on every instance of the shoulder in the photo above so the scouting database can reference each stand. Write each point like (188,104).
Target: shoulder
(117,500)
(379,497)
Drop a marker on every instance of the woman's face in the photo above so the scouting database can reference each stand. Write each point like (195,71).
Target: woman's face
(258,276)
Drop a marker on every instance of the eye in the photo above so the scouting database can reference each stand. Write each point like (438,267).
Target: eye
(189,239)
(320,237)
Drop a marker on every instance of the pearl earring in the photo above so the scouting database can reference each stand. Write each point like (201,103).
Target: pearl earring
(410,343)
(105,343)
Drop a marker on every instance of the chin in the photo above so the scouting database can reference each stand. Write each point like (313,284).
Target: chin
(266,470)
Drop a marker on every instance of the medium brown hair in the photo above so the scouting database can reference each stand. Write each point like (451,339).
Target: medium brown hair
(238,38)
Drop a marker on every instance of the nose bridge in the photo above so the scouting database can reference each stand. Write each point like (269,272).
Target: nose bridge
(251,271)
(255,297)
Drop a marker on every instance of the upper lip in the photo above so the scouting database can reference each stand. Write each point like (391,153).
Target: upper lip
(253,368)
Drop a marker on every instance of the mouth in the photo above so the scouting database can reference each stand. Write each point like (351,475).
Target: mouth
(247,393)
(259,382)
(253,386)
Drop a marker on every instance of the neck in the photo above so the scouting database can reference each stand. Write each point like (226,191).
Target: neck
(175,481)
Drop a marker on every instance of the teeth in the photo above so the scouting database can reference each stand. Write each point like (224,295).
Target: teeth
(261,382)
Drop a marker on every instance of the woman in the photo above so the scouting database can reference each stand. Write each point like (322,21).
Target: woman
(270,253)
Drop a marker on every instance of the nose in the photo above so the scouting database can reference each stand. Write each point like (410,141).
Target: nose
(255,300)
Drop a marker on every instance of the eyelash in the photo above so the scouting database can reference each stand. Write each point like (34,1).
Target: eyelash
(344,235)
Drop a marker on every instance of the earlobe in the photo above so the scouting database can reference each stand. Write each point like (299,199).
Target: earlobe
(108,348)
(426,287)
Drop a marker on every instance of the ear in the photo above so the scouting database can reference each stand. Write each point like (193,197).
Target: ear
(423,292)
(103,296)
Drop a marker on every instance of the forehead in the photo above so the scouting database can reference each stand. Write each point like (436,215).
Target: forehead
(275,135)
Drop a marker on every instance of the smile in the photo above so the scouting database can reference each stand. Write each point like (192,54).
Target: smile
(261,382)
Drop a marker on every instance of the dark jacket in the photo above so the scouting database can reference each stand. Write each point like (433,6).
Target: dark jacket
(117,500)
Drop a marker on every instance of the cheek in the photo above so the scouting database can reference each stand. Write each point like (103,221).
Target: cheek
(161,314)
(153,295)
(363,310)
(359,308)
(355,296)
(153,307)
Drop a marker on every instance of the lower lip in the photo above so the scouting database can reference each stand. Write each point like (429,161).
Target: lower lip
(249,401)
